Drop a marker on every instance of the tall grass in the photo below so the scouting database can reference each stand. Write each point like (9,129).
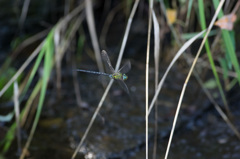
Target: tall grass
(203,25)
(44,53)
(50,53)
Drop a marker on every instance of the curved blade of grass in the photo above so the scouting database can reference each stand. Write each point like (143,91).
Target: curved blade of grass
(107,23)
(17,114)
(30,100)
(24,13)
(48,62)
(21,69)
(45,50)
(189,75)
(11,132)
(156,61)
(6,118)
(187,36)
(210,58)
(150,8)
(218,108)
(178,54)
(156,45)
(33,72)
(190,2)
(200,82)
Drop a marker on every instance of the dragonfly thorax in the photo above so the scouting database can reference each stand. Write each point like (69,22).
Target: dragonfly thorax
(119,76)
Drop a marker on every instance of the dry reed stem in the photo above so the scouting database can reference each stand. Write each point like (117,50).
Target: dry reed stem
(147,72)
(62,44)
(22,68)
(24,13)
(200,81)
(17,114)
(30,101)
(156,61)
(188,77)
(178,54)
(111,81)
(93,34)
(107,23)
(218,108)
(75,83)
(28,42)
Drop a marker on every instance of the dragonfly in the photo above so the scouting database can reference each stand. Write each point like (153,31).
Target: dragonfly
(119,76)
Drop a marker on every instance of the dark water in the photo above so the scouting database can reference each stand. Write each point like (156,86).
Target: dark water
(119,129)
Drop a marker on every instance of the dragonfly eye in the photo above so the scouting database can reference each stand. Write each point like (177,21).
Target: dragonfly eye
(125,77)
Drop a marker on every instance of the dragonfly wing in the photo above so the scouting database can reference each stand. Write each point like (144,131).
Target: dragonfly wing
(103,80)
(107,61)
(126,67)
(123,85)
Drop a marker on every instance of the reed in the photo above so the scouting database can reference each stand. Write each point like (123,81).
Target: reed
(57,40)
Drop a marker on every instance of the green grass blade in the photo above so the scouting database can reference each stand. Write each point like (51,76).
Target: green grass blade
(187,36)
(34,71)
(190,3)
(210,58)
(229,45)
(48,62)
(8,139)
(224,66)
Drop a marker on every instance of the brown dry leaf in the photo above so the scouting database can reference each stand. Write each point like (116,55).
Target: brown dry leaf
(171,15)
(226,22)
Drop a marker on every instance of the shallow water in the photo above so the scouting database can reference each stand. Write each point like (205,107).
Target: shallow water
(119,129)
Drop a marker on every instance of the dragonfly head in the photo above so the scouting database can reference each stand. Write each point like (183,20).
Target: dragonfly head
(125,77)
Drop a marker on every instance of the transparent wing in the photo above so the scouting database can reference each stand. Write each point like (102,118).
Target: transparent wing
(126,67)
(107,61)
(103,80)
(123,85)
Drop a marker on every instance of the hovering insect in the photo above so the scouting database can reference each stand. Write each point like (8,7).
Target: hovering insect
(119,75)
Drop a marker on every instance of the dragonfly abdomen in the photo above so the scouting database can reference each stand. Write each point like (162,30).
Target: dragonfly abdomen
(93,72)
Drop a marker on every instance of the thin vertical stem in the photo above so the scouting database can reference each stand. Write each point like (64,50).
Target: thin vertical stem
(93,34)
(156,61)
(111,82)
(126,35)
(17,114)
(147,71)
(92,119)
(189,75)
(24,13)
